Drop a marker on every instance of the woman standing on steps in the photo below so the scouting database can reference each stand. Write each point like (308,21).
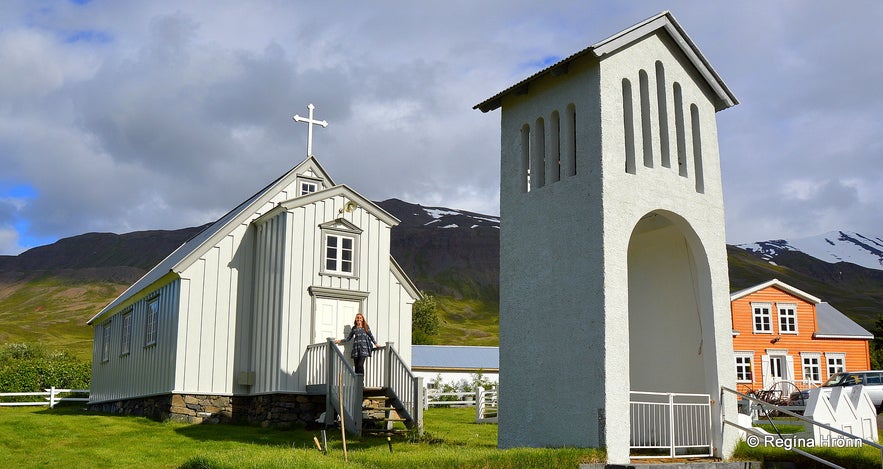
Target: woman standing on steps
(363,342)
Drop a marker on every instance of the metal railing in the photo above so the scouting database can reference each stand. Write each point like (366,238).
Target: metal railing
(328,367)
(669,425)
(767,408)
(51,397)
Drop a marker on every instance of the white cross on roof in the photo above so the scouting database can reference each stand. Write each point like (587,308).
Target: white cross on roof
(310,121)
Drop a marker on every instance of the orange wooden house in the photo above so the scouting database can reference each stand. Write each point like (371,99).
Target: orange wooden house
(784,337)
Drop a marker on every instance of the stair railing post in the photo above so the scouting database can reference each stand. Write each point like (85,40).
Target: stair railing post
(387,380)
(329,372)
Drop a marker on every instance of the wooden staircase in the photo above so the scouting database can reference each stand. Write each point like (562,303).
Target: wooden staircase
(386,394)
(381,410)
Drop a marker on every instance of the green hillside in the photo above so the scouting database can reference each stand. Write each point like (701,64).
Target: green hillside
(53,312)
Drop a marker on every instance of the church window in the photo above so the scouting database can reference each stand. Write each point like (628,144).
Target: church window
(150,321)
(339,254)
(126,336)
(553,172)
(538,155)
(680,130)
(662,108)
(762,318)
(743,367)
(646,125)
(525,158)
(697,149)
(105,341)
(307,184)
(307,187)
(628,126)
(788,319)
(570,140)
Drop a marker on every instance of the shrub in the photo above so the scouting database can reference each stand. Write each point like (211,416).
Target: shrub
(32,368)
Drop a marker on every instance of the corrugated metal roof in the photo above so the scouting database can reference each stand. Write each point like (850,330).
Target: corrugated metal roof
(455,357)
(664,21)
(834,324)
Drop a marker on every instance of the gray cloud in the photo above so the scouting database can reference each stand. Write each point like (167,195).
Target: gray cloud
(151,115)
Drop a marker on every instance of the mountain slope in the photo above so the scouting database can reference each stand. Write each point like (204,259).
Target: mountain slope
(835,246)
(48,293)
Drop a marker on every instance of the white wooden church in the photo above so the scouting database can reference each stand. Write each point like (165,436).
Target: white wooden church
(233,325)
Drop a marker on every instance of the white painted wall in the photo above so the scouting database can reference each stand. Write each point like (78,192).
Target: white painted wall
(567,304)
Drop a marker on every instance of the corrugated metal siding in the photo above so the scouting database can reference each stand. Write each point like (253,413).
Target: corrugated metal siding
(146,370)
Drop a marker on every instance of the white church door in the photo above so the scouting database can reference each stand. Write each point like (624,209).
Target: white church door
(331,318)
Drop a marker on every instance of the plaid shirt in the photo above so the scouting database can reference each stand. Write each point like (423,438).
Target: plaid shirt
(363,342)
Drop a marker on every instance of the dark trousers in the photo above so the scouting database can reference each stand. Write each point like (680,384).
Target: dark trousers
(359,362)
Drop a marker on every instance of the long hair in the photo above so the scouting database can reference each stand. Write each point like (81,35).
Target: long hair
(364,322)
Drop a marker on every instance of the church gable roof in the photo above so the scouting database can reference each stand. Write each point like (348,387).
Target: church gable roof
(195,247)
(663,22)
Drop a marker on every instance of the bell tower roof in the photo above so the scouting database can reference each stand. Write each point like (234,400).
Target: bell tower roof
(663,21)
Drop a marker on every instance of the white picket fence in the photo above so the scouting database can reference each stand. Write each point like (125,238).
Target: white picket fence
(51,397)
(484,401)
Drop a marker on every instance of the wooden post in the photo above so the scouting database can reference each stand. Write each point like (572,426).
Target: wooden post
(342,415)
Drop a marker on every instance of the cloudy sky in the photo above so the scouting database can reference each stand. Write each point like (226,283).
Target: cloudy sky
(119,116)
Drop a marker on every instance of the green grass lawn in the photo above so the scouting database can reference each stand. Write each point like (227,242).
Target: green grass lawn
(68,437)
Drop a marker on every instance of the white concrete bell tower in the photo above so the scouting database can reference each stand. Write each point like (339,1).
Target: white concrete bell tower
(613,271)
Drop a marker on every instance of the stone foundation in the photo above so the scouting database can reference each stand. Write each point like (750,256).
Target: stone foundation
(271,410)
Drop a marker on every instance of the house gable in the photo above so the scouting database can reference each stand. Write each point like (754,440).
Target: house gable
(775,283)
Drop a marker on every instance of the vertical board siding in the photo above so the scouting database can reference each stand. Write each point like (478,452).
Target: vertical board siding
(146,369)
(856,350)
(289,257)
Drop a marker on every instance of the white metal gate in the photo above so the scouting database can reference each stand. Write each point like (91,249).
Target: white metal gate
(669,425)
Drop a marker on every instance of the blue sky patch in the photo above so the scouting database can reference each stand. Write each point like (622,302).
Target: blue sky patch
(90,36)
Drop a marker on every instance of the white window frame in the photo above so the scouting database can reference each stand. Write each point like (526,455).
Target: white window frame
(339,255)
(744,359)
(126,335)
(768,315)
(832,368)
(151,320)
(105,341)
(787,312)
(806,362)
(307,185)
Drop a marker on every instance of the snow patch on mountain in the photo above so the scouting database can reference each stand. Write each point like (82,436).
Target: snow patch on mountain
(449,218)
(835,246)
